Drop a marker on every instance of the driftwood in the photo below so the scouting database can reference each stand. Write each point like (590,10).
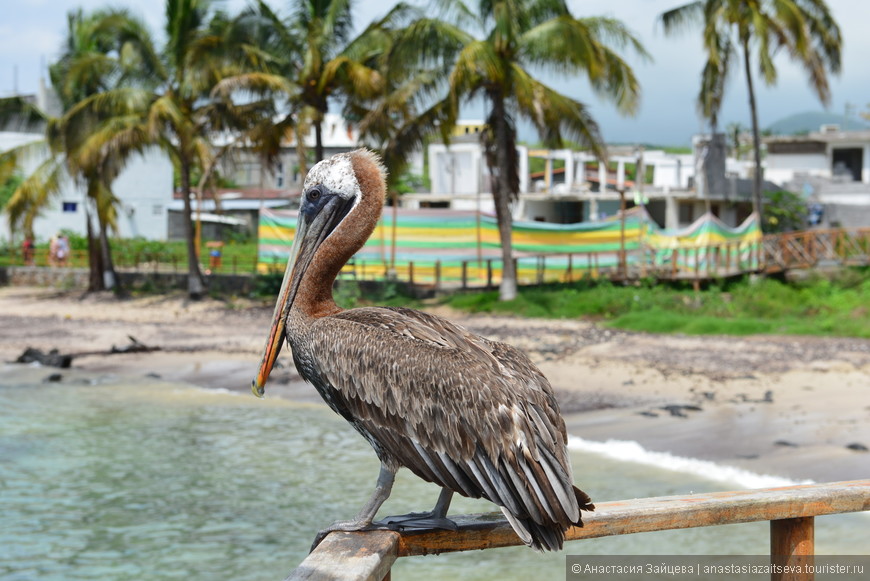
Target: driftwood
(63,360)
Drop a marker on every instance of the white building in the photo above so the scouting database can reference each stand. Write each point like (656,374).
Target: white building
(575,186)
(830,168)
(144,190)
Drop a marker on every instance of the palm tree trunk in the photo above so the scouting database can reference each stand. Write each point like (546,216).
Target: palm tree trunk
(318,139)
(756,137)
(95,258)
(195,283)
(110,277)
(502,195)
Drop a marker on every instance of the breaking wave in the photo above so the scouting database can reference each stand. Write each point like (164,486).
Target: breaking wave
(630,451)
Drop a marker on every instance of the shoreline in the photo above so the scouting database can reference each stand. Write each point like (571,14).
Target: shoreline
(784,406)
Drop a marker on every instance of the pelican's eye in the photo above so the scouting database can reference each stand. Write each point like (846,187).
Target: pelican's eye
(314,193)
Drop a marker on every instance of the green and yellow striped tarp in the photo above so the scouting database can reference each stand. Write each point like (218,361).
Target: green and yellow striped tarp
(446,240)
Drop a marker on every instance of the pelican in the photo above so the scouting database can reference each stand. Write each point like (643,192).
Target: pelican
(472,415)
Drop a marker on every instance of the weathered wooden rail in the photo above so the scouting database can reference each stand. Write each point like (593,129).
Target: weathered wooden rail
(791,511)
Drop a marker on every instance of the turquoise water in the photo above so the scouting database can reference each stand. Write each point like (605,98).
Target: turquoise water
(139,479)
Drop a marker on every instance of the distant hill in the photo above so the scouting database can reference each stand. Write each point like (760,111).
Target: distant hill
(801,123)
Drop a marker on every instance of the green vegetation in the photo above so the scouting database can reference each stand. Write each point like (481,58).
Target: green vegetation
(836,306)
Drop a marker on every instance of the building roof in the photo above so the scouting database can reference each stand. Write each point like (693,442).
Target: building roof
(250,193)
(230,205)
(812,121)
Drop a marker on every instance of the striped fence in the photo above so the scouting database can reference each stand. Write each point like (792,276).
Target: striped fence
(452,248)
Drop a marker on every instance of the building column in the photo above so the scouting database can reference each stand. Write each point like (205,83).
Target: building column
(672,212)
(602,177)
(569,169)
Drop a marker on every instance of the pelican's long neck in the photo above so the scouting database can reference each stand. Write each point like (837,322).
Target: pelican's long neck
(314,298)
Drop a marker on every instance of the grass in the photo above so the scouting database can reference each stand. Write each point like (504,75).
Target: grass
(838,306)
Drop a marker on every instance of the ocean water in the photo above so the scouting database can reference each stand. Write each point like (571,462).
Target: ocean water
(113,479)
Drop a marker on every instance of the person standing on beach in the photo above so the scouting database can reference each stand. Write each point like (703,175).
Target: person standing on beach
(62,250)
(27,250)
(52,251)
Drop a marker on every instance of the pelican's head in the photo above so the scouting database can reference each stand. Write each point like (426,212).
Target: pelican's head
(341,202)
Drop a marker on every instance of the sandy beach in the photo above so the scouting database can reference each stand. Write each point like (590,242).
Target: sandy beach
(796,407)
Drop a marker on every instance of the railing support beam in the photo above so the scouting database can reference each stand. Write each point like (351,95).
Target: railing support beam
(792,541)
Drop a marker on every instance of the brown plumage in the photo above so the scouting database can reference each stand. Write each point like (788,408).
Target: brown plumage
(472,415)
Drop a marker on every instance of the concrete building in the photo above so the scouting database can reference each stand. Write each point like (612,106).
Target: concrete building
(830,168)
(144,190)
(576,187)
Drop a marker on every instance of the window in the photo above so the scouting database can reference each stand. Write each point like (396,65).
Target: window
(70,207)
(687,213)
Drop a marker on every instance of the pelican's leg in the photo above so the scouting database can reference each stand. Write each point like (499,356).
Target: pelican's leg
(363,520)
(434,519)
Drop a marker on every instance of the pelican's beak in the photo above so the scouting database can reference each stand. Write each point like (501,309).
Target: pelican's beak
(314,225)
(276,333)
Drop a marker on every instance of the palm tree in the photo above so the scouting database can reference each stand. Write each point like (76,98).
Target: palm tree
(310,49)
(98,54)
(494,59)
(188,104)
(406,111)
(805,29)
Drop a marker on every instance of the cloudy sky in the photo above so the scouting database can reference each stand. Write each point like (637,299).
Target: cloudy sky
(31,33)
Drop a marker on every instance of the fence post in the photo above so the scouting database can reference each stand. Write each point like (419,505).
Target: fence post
(792,541)
(569,274)
(488,273)
(411,273)
(464,274)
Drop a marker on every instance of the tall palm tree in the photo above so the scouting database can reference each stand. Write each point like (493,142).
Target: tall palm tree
(186,108)
(310,49)
(504,42)
(805,29)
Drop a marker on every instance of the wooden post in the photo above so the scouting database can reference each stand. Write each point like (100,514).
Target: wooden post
(675,255)
(488,273)
(623,270)
(792,543)
(727,258)
(437,275)
(464,274)
(411,273)
(569,273)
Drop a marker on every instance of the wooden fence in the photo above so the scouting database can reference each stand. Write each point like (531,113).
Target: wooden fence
(690,262)
(790,510)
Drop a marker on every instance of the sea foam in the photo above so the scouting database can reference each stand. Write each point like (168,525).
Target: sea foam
(631,451)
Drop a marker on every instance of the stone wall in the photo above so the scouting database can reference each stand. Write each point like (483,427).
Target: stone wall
(77,279)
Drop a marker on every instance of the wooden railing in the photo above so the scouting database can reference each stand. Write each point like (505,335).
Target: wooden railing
(790,510)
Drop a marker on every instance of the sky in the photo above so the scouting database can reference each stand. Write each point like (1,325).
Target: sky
(31,33)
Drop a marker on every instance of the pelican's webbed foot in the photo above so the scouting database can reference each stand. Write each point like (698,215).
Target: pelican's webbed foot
(417,521)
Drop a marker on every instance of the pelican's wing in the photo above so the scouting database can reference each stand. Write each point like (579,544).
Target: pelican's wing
(468,413)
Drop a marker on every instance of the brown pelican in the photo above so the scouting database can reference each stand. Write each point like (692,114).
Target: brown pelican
(472,415)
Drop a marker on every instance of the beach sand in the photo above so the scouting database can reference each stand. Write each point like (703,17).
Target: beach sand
(785,406)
